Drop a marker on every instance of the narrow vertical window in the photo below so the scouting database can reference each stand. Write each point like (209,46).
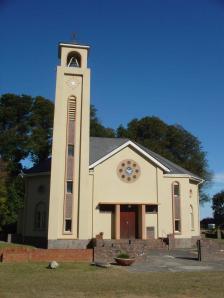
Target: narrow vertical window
(176,189)
(177,225)
(69,198)
(70,150)
(68,225)
(69,186)
(176,207)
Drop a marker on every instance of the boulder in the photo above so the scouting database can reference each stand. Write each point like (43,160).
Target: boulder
(53,265)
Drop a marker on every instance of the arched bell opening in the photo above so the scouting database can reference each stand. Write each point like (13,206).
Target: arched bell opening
(74,59)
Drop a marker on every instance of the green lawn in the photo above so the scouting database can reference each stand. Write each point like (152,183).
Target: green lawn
(82,280)
(12,245)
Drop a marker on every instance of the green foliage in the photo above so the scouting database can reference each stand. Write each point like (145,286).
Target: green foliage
(41,128)
(15,193)
(14,129)
(25,131)
(123,255)
(3,195)
(3,203)
(218,208)
(96,128)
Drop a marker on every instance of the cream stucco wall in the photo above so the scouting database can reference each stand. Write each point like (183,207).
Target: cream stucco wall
(165,211)
(165,198)
(151,221)
(108,188)
(152,187)
(194,202)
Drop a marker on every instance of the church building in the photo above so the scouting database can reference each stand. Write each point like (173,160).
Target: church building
(110,188)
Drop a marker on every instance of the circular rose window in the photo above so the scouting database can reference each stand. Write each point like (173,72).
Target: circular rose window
(128,170)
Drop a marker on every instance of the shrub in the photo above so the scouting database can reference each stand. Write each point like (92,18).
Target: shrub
(123,255)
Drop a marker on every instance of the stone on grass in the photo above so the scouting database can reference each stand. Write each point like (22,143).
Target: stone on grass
(53,265)
(102,264)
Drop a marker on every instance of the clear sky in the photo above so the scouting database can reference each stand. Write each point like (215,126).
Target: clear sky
(148,57)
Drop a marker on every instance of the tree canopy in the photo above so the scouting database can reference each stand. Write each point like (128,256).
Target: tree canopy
(96,128)
(25,129)
(25,132)
(218,208)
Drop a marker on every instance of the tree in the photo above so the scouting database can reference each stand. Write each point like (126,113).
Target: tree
(41,128)
(96,128)
(172,142)
(14,130)
(206,221)
(218,208)
(3,195)
(25,131)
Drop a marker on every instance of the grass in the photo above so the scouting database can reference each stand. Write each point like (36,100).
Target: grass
(11,245)
(82,280)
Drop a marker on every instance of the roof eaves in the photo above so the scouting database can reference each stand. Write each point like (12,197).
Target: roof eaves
(35,174)
(193,177)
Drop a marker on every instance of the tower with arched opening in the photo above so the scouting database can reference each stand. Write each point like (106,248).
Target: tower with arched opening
(70,152)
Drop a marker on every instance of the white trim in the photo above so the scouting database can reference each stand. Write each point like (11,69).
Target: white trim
(177,175)
(183,176)
(70,45)
(129,143)
(128,203)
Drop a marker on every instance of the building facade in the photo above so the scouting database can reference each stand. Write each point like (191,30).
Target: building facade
(102,187)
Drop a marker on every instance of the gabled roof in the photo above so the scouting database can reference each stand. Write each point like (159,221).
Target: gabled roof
(123,145)
(100,147)
(103,148)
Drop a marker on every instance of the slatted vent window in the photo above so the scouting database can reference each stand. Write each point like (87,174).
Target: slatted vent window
(72,109)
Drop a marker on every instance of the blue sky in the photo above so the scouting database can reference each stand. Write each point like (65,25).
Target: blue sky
(161,57)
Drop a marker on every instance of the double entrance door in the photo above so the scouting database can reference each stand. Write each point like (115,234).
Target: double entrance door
(128,221)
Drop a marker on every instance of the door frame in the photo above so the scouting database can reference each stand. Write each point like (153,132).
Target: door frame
(130,210)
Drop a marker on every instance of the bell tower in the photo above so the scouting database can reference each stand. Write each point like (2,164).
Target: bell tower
(70,200)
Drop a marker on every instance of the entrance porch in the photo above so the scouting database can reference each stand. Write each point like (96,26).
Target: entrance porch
(129,220)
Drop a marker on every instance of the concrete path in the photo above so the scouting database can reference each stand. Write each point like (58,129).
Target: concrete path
(175,261)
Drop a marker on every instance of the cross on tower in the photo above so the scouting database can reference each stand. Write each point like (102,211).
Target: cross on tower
(73,37)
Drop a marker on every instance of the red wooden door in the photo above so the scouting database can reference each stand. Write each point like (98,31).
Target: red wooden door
(128,222)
